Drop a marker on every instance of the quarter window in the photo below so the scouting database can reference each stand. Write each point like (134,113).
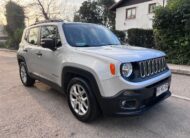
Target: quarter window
(33,36)
(131,13)
(152,7)
(26,35)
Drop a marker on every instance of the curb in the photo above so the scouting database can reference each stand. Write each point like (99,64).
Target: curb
(181,97)
(180,72)
(180,69)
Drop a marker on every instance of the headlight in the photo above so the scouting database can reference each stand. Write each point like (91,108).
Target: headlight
(126,70)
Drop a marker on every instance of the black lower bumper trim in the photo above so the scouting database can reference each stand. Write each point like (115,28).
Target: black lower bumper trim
(134,102)
(147,107)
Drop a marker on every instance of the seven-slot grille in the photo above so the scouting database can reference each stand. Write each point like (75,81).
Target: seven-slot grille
(152,66)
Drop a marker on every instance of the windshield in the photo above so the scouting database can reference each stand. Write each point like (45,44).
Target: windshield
(89,35)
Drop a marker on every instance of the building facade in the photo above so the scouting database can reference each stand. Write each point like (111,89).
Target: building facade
(3,35)
(135,13)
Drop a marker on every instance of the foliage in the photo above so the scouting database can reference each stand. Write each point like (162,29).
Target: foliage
(107,16)
(46,9)
(172,30)
(120,35)
(15,39)
(15,17)
(15,23)
(2,45)
(141,37)
(89,12)
(98,12)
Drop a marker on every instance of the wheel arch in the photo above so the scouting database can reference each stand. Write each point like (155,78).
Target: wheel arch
(69,72)
(20,58)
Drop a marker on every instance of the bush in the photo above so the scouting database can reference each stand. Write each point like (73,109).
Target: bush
(172,30)
(120,35)
(2,45)
(141,37)
(15,39)
(15,23)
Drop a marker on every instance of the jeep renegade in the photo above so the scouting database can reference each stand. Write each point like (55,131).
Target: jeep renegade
(88,63)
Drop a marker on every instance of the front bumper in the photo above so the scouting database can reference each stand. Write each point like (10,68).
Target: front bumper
(134,102)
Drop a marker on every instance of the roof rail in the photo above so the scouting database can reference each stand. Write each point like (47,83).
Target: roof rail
(48,21)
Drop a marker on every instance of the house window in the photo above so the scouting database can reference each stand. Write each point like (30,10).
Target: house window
(151,7)
(131,13)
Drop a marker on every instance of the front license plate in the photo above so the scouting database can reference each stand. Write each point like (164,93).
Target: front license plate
(161,89)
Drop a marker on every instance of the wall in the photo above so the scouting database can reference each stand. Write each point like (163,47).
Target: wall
(143,17)
(3,35)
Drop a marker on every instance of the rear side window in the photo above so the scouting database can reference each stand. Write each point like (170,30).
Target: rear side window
(33,36)
(26,35)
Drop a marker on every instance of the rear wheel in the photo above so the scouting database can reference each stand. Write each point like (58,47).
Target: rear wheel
(81,100)
(25,78)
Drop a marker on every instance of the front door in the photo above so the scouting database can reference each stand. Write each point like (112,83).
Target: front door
(50,60)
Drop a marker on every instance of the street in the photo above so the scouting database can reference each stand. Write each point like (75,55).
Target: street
(42,112)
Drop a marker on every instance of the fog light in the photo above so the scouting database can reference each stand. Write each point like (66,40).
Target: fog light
(129,104)
(123,103)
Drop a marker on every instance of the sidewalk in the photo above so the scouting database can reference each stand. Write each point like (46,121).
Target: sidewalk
(7,50)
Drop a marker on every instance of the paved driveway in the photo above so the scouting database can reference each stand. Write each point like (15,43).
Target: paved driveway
(42,112)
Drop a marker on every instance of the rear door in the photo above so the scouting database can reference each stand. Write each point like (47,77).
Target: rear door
(33,50)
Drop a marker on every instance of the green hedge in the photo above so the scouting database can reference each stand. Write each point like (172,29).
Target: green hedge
(172,31)
(14,40)
(141,37)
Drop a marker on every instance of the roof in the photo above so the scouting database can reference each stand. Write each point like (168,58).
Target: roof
(114,6)
(122,3)
(47,21)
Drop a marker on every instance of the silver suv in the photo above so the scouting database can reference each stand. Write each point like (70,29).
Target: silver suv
(97,73)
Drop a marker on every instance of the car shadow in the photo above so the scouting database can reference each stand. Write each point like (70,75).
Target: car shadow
(154,121)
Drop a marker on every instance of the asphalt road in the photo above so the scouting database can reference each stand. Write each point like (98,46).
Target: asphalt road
(42,112)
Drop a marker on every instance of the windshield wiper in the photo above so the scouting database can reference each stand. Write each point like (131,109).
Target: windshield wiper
(84,46)
(109,44)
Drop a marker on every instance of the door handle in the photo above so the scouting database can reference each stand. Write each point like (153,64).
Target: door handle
(42,42)
(39,54)
(25,50)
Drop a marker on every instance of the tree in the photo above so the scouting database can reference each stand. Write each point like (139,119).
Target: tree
(15,17)
(15,23)
(89,12)
(98,12)
(172,30)
(47,9)
(107,16)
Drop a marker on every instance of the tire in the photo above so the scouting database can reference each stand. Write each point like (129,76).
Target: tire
(88,110)
(25,78)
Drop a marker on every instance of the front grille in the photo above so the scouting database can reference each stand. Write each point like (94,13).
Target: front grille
(152,67)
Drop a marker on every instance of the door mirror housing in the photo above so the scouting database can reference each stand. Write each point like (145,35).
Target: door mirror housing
(49,43)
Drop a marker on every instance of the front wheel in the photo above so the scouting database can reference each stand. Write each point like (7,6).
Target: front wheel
(25,78)
(81,100)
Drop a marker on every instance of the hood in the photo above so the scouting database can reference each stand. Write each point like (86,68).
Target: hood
(124,53)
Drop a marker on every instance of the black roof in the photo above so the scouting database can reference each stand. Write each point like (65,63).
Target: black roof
(122,3)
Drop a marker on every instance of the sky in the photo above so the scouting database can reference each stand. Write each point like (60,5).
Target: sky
(68,8)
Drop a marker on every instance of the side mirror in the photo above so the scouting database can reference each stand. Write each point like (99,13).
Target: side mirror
(49,43)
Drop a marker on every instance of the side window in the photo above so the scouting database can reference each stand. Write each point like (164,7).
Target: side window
(152,7)
(131,13)
(51,32)
(33,36)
